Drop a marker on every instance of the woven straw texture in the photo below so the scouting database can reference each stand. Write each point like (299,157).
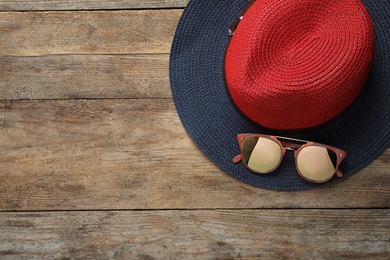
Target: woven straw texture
(298,64)
(204,106)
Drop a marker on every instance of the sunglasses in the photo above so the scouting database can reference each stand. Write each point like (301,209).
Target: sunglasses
(314,162)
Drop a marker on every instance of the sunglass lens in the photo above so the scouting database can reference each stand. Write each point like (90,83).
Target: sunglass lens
(316,163)
(261,154)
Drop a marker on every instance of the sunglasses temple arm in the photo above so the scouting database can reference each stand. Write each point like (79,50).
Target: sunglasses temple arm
(237,158)
(339,173)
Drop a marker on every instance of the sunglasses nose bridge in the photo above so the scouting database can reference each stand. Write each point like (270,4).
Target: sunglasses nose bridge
(290,146)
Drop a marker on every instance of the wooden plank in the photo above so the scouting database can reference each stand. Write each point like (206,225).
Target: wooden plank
(84,76)
(103,32)
(22,5)
(135,154)
(193,234)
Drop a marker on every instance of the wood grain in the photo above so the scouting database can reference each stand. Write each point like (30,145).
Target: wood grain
(22,5)
(85,76)
(194,234)
(95,163)
(103,32)
(135,154)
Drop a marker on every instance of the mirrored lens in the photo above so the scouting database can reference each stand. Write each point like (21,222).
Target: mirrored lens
(261,154)
(317,163)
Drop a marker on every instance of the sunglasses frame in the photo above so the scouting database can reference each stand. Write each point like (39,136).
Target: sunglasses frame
(287,143)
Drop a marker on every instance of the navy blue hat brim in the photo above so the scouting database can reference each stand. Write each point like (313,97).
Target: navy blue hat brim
(204,107)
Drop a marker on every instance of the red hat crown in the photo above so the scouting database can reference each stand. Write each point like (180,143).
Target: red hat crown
(298,64)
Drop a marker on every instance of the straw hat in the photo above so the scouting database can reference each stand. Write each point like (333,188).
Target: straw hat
(309,69)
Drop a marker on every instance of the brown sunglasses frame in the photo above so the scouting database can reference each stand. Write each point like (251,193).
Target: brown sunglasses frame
(287,143)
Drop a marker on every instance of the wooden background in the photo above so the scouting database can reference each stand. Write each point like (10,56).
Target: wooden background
(95,164)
